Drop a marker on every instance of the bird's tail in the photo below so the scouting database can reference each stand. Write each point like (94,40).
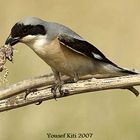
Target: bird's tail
(126,72)
(110,70)
(114,70)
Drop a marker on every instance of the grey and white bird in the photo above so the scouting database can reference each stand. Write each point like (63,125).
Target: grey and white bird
(63,50)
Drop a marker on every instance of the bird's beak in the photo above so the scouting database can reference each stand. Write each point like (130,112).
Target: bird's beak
(12,41)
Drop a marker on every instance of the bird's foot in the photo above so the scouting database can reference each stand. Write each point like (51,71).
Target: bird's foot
(28,91)
(58,87)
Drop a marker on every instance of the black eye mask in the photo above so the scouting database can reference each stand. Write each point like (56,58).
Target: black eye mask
(21,30)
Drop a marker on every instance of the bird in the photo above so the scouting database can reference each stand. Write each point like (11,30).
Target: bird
(66,52)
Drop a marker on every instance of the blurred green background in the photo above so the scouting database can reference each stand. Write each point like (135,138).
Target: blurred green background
(114,27)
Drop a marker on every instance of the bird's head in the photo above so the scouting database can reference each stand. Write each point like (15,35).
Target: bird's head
(26,31)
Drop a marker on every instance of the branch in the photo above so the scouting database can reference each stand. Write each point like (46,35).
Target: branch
(13,96)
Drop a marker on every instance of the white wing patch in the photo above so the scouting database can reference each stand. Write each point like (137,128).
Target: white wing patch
(97,56)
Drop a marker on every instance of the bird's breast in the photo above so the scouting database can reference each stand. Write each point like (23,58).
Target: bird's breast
(64,59)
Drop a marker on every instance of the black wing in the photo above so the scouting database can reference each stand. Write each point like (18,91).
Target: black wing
(83,47)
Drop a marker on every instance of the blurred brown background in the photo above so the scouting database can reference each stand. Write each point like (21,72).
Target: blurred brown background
(114,27)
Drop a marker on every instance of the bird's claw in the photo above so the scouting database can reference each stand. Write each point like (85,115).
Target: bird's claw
(58,87)
(53,90)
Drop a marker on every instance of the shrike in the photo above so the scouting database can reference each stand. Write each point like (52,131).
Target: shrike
(63,50)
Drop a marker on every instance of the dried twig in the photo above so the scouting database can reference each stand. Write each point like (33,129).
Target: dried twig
(83,86)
